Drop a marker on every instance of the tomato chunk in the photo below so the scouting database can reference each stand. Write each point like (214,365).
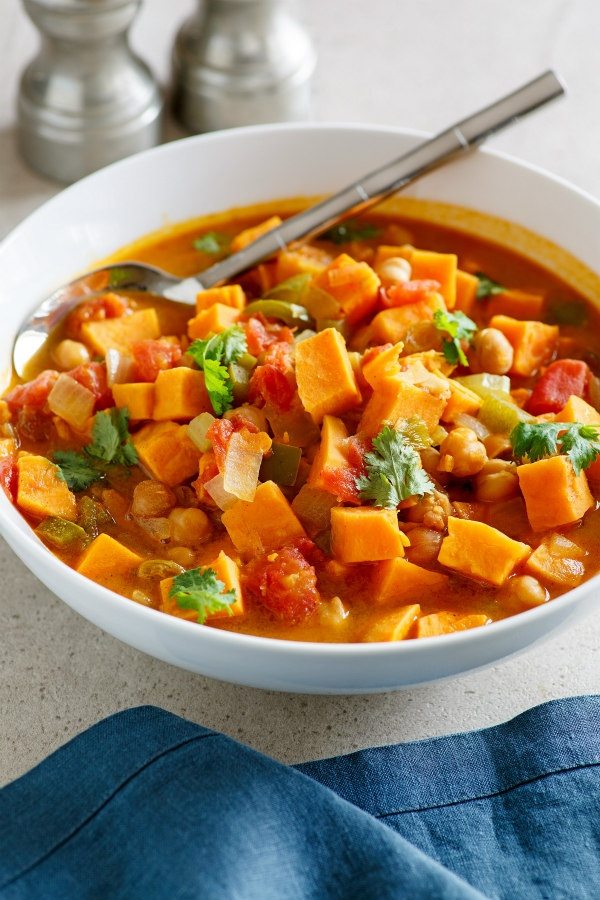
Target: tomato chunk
(109,306)
(151,357)
(93,377)
(270,385)
(260,334)
(8,478)
(33,394)
(560,381)
(409,292)
(284,583)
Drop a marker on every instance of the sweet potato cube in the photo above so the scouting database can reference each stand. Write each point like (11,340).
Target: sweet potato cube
(533,343)
(448,622)
(229,295)
(463,401)
(392,325)
(263,524)
(517,304)
(353,284)
(213,320)
(180,394)
(138,397)
(382,365)
(330,454)
(554,495)
(396,398)
(388,251)
(393,626)
(577,410)
(303,261)
(110,564)
(365,534)
(166,452)
(398,580)
(466,291)
(248,235)
(42,491)
(480,551)
(227,571)
(440,267)
(120,333)
(326,381)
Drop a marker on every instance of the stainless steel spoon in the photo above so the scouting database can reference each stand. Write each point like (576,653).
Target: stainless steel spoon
(356,198)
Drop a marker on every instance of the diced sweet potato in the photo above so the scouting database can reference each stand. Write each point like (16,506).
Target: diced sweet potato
(227,571)
(229,295)
(120,333)
(388,251)
(394,626)
(266,523)
(441,267)
(394,399)
(577,410)
(554,495)
(353,284)
(366,535)
(303,261)
(326,381)
(392,325)
(466,291)
(166,452)
(213,320)
(110,564)
(533,343)
(248,235)
(480,551)
(331,450)
(463,401)
(557,560)
(398,580)
(180,394)
(517,304)
(138,397)
(42,491)
(448,622)
(382,365)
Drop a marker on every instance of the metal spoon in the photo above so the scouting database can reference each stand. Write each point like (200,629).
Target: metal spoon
(357,197)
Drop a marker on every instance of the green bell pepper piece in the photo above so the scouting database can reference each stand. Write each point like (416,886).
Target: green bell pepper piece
(500,414)
(240,380)
(479,384)
(290,313)
(282,465)
(61,533)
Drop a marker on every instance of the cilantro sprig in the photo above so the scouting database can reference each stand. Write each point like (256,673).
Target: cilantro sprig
(213,355)
(487,287)
(351,230)
(394,472)
(542,439)
(110,445)
(459,328)
(200,590)
(213,243)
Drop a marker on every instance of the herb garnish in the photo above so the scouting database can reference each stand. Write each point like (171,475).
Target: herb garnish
(351,230)
(202,591)
(542,439)
(394,470)
(110,445)
(487,287)
(213,243)
(459,328)
(212,356)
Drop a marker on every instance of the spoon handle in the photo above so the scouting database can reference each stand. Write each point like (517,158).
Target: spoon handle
(376,186)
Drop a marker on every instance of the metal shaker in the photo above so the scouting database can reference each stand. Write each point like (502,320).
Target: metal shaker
(86,99)
(242,62)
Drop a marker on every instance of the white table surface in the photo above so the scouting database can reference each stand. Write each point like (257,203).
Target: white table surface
(417,64)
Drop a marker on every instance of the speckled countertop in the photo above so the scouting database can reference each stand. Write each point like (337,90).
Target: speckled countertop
(416,64)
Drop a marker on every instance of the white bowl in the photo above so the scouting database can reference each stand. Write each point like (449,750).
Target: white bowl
(234,168)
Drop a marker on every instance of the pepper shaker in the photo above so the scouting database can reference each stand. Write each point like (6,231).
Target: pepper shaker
(242,62)
(86,99)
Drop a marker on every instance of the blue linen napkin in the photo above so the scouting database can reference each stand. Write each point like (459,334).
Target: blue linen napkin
(148,805)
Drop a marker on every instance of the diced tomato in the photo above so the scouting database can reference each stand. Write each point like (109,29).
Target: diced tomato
(560,381)
(208,470)
(93,377)
(341,482)
(219,434)
(260,334)
(109,306)
(34,394)
(355,453)
(409,292)
(279,354)
(270,385)
(151,357)
(284,583)
(33,424)
(8,478)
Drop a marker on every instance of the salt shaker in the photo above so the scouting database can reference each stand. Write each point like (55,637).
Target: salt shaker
(86,99)
(242,62)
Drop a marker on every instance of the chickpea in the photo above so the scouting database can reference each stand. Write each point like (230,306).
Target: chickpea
(69,354)
(152,499)
(182,555)
(462,454)
(494,351)
(527,591)
(425,545)
(189,527)
(431,510)
(497,481)
(395,270)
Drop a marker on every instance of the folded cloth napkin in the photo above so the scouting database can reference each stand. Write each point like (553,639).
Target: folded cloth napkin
(148,805)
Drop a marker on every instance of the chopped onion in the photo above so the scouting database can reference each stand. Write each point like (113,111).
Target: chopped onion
(242,463)
(197,429)
(72,402)
(215,489)
(481,430)
(119,367)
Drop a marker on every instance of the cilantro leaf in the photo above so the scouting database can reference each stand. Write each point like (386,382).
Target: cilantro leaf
(202,591)
(459,328)
(487,287)
(212,355)
(76,469)
(394,471)
(542,439)
(111,442)
(351,230)
(213,243)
